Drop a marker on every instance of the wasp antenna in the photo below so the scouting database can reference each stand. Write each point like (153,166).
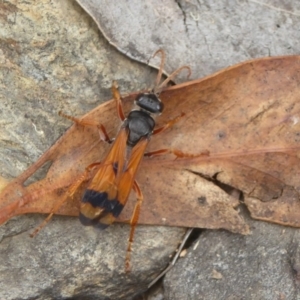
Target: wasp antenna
(161,66)
(171,77)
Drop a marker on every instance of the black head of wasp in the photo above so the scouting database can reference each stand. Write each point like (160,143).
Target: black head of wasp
(113,179)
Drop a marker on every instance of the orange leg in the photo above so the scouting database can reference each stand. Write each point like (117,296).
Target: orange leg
(118,99)
(133,222)
(168,125)
(176,152)
(69,193)
(102,131)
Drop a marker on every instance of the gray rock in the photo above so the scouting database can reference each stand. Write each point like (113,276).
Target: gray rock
(223,265)
(54,58)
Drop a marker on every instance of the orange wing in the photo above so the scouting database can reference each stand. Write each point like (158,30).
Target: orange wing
(109,189)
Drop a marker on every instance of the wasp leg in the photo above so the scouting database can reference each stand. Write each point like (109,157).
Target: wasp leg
(133,222)
(118,99)
(69,194)
(102,131)
(176,152)
(168,125)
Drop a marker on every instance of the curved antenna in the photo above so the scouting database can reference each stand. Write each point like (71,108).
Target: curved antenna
(161,66)
(158,89)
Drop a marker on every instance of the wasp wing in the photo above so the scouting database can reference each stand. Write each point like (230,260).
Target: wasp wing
(100,198)
(109,189)
(128,176)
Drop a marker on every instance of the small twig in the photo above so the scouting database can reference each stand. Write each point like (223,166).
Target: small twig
(172,263)
(275,8)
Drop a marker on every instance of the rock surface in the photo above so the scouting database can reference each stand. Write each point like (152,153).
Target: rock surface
(52,58)
(222,265)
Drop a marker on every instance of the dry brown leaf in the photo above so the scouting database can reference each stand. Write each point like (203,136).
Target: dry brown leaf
(247,116)
(3,183)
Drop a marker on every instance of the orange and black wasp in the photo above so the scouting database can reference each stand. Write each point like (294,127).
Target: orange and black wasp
(113,179)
